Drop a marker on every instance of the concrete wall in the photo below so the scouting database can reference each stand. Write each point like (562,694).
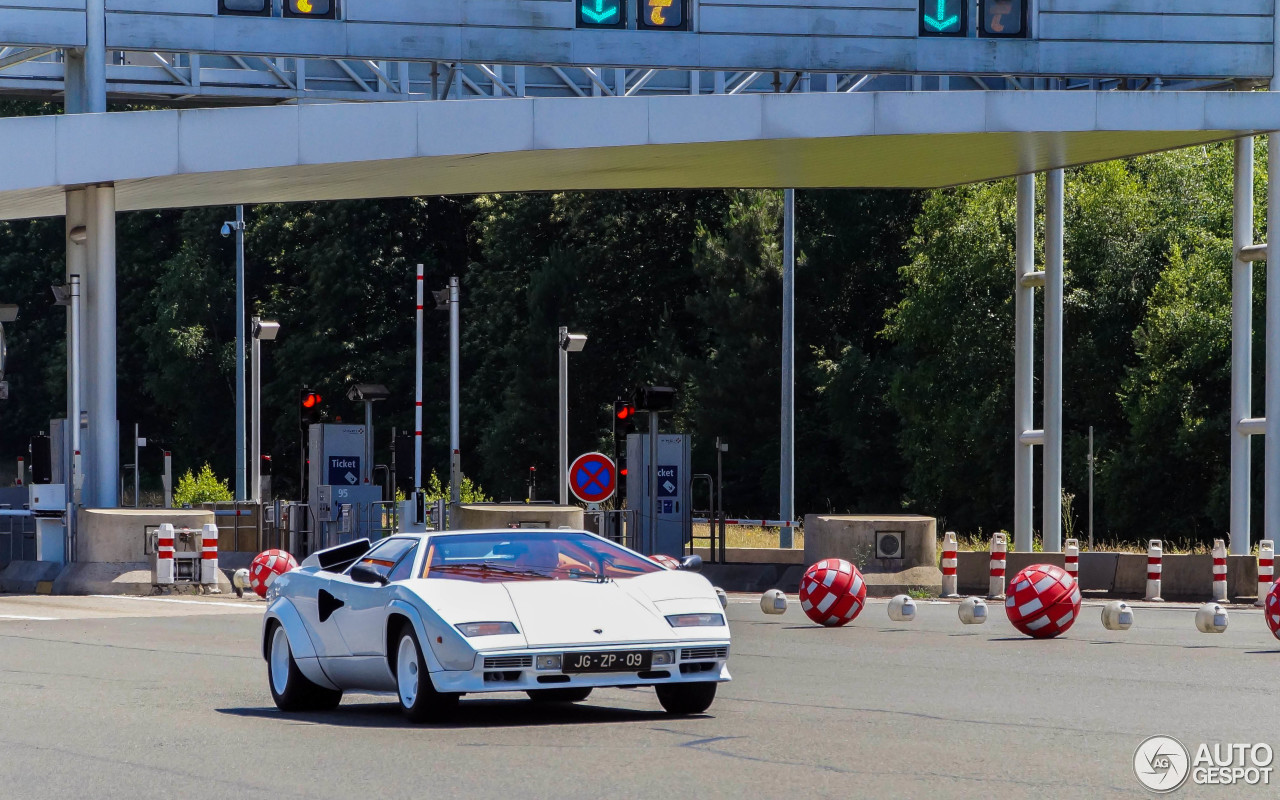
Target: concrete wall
(118,535)
(479,516)
(853,538)
(1185,577)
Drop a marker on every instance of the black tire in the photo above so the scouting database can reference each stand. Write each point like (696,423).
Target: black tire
(574,695)
(417,695)
(299,692)
(686,698)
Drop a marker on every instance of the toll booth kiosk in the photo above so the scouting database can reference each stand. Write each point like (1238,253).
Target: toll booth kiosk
(674,530)
(343,499)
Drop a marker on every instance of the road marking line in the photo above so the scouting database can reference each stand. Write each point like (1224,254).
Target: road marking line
(175,600)
(38,619)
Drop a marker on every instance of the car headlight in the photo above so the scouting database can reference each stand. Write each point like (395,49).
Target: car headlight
(695,620)
(486,628)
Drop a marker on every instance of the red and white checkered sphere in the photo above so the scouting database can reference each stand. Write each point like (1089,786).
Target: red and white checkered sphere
(266,566)
(669,562)
(832,592)
(1272,610)
(1043,601)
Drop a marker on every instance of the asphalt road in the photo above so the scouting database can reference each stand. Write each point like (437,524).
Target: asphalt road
(149,698)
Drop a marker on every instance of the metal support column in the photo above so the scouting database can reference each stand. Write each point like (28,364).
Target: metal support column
(241,493)
(652,526)
(102,417)
(562,472)
(1271,451)
(786,471)
(255,438)
(77,221)
(73,415)
(1241,345)
(1023,362)
(1051,491)
(95,56)
(417,391)
(455,364)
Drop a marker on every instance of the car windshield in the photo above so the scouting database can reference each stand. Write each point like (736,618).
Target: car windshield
(524,556)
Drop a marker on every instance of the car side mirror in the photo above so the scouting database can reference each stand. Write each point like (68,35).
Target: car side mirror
(365,574)
(691,563)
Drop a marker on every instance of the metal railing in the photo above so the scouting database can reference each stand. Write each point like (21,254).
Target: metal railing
(17,538)
(619,525)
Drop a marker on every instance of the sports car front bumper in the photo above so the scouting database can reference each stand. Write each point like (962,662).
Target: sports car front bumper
(515,670)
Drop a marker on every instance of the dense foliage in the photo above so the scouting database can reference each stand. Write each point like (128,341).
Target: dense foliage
(904,343)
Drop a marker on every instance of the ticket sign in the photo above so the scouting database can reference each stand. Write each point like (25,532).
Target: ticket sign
(317,9)
(252,8)
(944,17)
(1003,18)
(663,14)
(602,13)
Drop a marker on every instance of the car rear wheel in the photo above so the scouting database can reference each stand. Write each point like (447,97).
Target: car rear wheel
(419,699)
(575,695)
(686,698)
(290,689)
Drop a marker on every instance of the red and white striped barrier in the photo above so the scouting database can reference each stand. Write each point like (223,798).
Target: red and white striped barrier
(999,546)
(1219,570)
(1266,570)
(759,523)
(1071,559)
(209,556)
(164,555)
(950,560)
(1155,566)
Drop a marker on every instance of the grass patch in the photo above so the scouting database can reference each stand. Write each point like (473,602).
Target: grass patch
(745,536)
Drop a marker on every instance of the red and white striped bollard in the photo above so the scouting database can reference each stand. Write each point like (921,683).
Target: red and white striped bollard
(1071,559)
(164,555)
(209,556)
(1155,566)
(999,546)
(950,559)
(1266,570)
(1220,570)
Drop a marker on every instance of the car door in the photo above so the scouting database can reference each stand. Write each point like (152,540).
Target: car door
(313,596)
(363,617)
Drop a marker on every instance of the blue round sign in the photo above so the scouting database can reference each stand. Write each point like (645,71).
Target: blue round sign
(593,478)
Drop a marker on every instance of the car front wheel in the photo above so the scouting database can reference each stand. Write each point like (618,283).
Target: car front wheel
(419,699)
(290,689)
(686,698)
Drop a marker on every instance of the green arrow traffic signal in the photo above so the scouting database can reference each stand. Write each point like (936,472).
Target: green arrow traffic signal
(599,12)
(942,17)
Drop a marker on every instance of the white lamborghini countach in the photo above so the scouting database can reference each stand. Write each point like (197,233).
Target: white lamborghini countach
(433,616)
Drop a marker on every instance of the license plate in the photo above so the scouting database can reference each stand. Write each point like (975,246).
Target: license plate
(611,661)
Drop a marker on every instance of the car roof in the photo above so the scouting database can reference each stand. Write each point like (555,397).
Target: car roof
(428,534)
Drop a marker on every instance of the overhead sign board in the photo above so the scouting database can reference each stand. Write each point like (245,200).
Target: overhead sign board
(593,478)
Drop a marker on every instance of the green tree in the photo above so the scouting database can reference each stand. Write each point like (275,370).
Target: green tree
(204,487)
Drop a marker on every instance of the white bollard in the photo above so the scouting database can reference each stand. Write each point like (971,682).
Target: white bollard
(722,597)
(240,581)
(1219,570)
(773,601)
(1155,566)
(1266,570)
(973,611)
(1071,559)
(164,555)
(999,546)
(209,557)
(950,560)
(1117,616)
(902,608)
(1211,618)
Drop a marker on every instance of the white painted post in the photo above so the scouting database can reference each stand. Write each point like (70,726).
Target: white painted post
(22,470)
(1241,345)
(103,428)
(1051,490)
(1023,363)
(1266,570)
(1271,452)
(168,479)
(1071,558)
(999,546)
(164,555)
(209,556)
(1155,566)
(950,560)
(1219,570)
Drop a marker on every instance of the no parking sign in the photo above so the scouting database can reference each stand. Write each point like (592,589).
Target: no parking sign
(593,478)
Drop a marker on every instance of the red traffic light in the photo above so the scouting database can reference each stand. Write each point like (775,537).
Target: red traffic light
(311,399)
(624,411)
